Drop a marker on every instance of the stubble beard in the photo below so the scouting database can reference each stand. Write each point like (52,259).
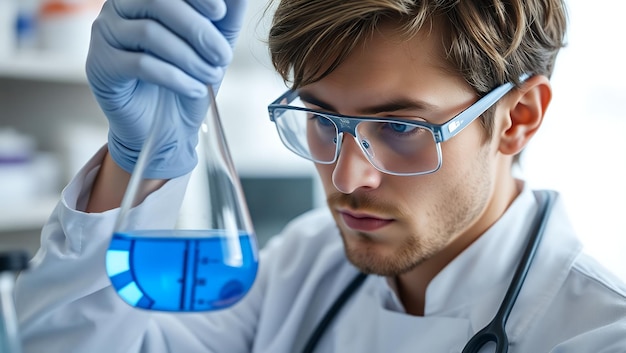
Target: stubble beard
(365,257)
(461,206)
(365,251)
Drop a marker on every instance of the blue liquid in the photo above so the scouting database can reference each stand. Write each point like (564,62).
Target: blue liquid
(181,270)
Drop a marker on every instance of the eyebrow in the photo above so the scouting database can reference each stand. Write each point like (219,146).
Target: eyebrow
(393,105)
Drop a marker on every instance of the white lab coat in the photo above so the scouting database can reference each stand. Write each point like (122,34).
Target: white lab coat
(569,303)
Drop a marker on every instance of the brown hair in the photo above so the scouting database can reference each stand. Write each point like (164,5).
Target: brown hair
(488,42)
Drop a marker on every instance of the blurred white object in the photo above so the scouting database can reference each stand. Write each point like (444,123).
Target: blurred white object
(8,16)
(16,155)
(65,25)
(77,143)
(15,147)
(25,174)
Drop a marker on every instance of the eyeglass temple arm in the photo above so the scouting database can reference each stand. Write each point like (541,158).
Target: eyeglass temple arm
(466,117)
(285,99)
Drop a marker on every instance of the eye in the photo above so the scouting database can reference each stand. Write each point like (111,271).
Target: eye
(401,128)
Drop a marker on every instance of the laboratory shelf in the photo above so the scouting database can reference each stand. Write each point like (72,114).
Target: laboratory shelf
(44,65)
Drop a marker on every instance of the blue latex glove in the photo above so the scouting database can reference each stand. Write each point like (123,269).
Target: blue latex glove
(145,52)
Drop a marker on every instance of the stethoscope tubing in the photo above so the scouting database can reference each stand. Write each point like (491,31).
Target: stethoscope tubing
(321,327)
(495,330)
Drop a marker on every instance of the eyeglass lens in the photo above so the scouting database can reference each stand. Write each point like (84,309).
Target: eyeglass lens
(394,147)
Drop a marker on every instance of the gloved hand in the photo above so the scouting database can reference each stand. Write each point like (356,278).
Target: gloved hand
(146,54)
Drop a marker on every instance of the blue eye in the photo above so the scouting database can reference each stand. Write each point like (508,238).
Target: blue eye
(401,128)
(398,127)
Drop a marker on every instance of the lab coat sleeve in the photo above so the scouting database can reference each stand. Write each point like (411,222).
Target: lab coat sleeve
(65,302)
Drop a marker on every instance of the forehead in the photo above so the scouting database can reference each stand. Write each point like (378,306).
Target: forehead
(425,47)
(389,65)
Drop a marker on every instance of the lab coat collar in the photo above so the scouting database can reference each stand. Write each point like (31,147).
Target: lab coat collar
(485,267)
(378,329)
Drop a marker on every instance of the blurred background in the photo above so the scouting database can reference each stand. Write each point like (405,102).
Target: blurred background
(50,124)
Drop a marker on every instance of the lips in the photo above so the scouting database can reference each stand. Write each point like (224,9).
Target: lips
(363,222)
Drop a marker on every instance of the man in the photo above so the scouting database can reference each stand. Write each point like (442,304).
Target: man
(413,112)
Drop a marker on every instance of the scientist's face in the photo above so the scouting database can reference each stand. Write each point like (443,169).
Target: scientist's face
(390,224)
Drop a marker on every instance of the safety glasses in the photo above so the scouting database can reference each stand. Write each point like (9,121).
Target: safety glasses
(392,145)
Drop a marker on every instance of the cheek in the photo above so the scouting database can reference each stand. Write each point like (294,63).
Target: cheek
(422,199)
(461,154)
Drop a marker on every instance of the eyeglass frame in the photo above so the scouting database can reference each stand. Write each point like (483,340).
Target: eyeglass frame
(441,132)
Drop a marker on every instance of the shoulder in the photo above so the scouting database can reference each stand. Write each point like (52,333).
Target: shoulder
(609,338)
(589,310)
(311,231)
(308,245)
(578,305)
(588,272)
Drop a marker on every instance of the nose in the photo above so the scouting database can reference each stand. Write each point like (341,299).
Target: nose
(352,169)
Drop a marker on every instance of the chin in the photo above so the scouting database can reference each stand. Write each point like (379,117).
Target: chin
(381,258)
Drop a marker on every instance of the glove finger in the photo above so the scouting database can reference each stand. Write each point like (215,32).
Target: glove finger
(185,22)
(211,9)
(153,39)
(119,69)
(150,69)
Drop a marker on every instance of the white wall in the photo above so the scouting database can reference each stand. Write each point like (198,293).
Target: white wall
(581,149)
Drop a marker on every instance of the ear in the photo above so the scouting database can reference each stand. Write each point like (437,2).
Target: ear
(524,109)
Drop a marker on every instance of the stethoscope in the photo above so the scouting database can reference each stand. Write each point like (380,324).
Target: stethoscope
(494,331)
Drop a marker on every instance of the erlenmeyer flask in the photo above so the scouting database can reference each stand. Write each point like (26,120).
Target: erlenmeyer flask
(208,264)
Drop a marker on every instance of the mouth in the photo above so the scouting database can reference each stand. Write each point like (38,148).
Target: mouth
(363,222)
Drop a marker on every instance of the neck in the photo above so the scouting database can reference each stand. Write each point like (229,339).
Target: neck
(413,284)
